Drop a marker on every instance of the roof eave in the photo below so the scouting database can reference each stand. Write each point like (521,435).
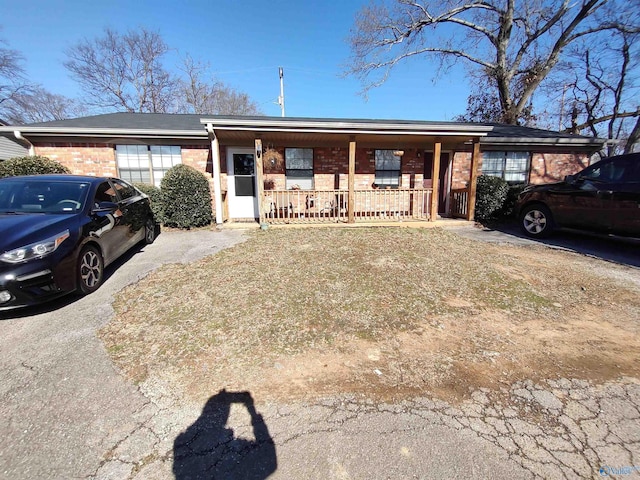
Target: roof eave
(348,127)
(105,132)
(577,142)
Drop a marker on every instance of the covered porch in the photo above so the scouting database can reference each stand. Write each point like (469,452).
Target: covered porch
(305,171)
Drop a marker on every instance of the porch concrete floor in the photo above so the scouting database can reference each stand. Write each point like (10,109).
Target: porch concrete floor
(441,223)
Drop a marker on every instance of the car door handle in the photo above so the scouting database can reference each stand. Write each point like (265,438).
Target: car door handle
(605,192)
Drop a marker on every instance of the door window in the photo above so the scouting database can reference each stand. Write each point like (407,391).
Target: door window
(124,189)
(243,171)
(609,172)
(105,193)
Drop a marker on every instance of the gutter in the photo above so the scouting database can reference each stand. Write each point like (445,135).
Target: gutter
(583,141)
(18,135)
(346,127)
(107,132)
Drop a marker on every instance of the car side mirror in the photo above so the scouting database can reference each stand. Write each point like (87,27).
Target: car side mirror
(570,179)
(108,207)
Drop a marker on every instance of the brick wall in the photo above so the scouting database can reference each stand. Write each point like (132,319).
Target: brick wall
(82,158)
(328,160)
(461,166)
(199,158)
(552,167)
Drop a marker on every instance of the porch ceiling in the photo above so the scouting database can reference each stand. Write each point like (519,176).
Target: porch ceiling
(323,139)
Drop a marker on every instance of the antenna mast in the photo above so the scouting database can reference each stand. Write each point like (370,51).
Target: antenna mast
(281,97)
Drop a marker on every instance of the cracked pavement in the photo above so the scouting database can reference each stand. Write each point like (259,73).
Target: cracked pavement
(560,429)
(65,412)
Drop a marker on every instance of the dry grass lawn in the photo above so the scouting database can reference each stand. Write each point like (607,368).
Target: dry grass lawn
(301,313)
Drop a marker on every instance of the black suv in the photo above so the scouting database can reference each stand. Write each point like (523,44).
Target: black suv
(604,197)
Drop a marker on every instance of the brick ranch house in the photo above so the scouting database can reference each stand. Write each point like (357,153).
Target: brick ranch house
(304,170)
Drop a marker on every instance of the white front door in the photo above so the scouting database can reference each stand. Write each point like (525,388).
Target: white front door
(241,183)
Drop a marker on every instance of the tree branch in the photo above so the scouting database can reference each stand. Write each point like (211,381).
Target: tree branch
(604,118)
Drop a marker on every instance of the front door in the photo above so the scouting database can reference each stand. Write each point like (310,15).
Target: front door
(242,191)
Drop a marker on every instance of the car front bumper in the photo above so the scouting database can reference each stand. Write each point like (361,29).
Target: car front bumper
(30,283)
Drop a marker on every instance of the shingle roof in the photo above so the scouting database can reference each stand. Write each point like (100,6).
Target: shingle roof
(504,130)
(129,121)
(185,123)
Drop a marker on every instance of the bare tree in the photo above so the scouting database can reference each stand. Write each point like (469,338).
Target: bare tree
(511,44)
(603,87)
(12,77)
(124,71)
(40,105)
(201,93)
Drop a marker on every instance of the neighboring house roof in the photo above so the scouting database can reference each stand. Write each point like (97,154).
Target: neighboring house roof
(193,126)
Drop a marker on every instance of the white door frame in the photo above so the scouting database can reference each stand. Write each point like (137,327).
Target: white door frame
(241,206)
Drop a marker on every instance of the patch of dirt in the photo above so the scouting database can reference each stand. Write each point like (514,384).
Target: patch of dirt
(287,318)
(446,358)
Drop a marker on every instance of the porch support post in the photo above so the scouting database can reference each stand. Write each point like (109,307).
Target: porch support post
(473,179)
(259,178)
(217,185)
(352,180)
(435,181)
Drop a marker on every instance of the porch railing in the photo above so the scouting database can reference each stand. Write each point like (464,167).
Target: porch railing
(460,202)
(331,206)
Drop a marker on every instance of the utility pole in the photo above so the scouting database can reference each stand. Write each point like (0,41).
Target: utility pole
(281,97)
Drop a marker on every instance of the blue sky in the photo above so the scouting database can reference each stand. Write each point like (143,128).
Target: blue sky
(245,41)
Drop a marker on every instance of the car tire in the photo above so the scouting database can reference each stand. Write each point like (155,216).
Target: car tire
(90,270)
(536,221)
(149,232)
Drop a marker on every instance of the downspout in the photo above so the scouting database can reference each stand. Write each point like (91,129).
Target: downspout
(217,183)
(18,135)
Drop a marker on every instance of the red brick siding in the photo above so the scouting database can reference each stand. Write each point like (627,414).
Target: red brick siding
(328,160)
(82,158)
(552,167)
(199,157)
(462,169)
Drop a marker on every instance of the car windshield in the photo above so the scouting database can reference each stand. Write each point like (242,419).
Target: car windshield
(27,195)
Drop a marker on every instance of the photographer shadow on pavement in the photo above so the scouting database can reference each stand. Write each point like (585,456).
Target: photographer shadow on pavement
(209,449)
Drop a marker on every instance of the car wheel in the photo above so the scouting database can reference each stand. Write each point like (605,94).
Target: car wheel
(537,221)
(149,232)
(90,270)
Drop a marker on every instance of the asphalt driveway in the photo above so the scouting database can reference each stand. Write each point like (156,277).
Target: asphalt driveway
(62,404)
(65,412)
(622,250)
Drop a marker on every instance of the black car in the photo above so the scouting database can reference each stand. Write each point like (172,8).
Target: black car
(604,197)
(58,232)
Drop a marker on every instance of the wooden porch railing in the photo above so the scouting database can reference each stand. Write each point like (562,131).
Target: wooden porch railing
(460,202)
(331,206)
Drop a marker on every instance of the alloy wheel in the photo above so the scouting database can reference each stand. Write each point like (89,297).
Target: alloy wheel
(90,270)
(535,222)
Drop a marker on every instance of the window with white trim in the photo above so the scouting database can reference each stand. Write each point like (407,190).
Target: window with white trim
(299,168)
(388,168)
(146,163)
(513,167)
